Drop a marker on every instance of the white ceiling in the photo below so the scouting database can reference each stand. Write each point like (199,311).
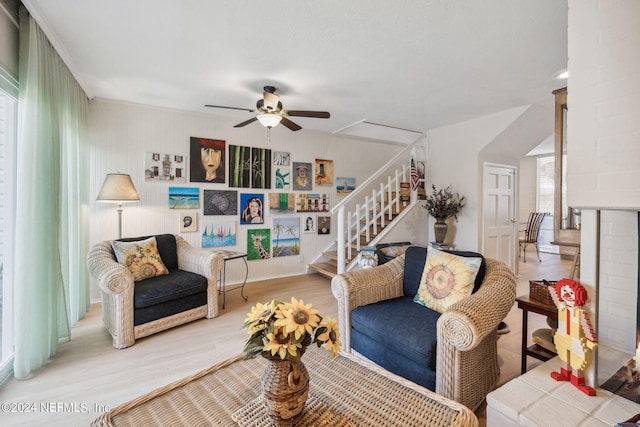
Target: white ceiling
(416,65)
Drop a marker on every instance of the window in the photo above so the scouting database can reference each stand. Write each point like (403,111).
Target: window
(8,107)
(545,199)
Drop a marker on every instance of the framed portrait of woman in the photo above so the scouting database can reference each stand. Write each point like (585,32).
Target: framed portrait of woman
(207,160)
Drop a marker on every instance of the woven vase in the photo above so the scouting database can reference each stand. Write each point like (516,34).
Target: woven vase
(440,230)
(285,388)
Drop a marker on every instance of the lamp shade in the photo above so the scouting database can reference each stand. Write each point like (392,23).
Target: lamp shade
(269,120)
(117,187)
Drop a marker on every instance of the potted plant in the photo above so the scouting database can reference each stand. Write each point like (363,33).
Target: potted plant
(443,204)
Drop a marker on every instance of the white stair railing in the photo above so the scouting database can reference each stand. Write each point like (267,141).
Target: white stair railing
(371,206)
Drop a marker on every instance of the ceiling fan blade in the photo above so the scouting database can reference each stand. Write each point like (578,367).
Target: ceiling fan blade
(230,108)
(300,113)
(289,124)
(246,122)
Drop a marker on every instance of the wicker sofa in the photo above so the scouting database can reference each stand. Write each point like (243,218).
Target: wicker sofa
(453,353)
(132,310)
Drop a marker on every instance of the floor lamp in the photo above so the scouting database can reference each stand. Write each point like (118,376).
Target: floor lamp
(118,188)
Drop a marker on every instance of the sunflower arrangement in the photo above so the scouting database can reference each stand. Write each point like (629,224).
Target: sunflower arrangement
(280,330)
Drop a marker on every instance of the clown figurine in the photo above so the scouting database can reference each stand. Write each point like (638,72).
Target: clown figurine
(574,339)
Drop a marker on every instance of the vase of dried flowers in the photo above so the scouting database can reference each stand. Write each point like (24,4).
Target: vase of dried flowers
(440,230)
(442,204)
(281,332)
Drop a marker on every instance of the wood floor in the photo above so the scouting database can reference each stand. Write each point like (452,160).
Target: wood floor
(88,375)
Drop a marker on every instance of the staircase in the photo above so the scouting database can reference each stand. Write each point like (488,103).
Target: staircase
(365,216)
(329,266)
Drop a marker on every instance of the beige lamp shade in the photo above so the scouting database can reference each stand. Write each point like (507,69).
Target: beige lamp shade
(117,187)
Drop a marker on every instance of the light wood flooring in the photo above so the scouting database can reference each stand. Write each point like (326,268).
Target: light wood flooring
(88,375)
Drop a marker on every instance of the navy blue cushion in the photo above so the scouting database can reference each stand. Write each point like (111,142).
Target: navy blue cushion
(169,308)
(394,362)
(399,326)
(167,248)
(168,287)
(414,260)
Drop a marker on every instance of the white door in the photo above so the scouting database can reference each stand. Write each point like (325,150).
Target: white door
(498,213)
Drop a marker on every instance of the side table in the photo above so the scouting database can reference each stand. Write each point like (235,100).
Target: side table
(222,277)
(527,305)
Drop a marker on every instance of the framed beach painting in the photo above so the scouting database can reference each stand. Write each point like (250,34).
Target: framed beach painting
(285,233)
(184,198)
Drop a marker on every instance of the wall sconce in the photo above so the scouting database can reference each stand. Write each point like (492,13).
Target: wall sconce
(118,188)
(269,120)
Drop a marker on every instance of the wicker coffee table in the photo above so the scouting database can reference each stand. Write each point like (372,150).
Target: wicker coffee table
(346,388)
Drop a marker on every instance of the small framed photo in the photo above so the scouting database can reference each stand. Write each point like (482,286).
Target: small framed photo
(188,222)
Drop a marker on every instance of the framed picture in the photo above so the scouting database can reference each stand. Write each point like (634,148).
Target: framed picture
(324,224)
(252,209)
(260,168)
(309,223)
(282,177)
(345,185)
(281,203)
(324,172)
(207,160)
(258,243)
(188,222)
(219,233)
(301,173)
(220,202)
(160,167)
(184,198)
(239,166)
(285,234)
(281,158)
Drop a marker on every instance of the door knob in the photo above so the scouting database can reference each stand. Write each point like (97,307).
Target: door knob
(513,220)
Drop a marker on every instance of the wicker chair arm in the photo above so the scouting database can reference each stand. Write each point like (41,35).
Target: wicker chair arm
(197,260)
(112,277)
(466,323)
(365,286)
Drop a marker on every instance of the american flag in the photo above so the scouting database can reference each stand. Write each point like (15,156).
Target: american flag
(415,180)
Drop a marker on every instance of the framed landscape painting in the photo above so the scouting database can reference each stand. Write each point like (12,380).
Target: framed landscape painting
(286,236)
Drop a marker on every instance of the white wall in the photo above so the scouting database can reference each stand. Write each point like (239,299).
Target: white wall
(527,185)
(121,133)
(604,103)
(617,291)
(456,158)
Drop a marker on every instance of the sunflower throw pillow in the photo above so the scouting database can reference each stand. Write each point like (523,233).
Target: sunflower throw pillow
(446,278)
(141,258)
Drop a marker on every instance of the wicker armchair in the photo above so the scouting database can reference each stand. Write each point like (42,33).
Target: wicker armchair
(466,352)
(127,323)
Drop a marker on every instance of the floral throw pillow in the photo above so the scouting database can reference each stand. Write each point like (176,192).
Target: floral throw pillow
(141,258)
(446,278)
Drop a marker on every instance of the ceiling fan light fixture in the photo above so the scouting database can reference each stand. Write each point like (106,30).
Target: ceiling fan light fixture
(269,120)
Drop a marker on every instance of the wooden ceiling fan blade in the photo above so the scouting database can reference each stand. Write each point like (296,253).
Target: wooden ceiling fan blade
(301,113)
(230,108)
(246,122)
(289,124)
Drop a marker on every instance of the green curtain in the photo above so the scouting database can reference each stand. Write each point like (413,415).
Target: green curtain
(51,280)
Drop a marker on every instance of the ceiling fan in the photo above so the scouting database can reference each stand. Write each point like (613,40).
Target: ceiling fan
(270,112)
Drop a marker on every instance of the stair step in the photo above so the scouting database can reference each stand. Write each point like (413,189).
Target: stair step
(324,268)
